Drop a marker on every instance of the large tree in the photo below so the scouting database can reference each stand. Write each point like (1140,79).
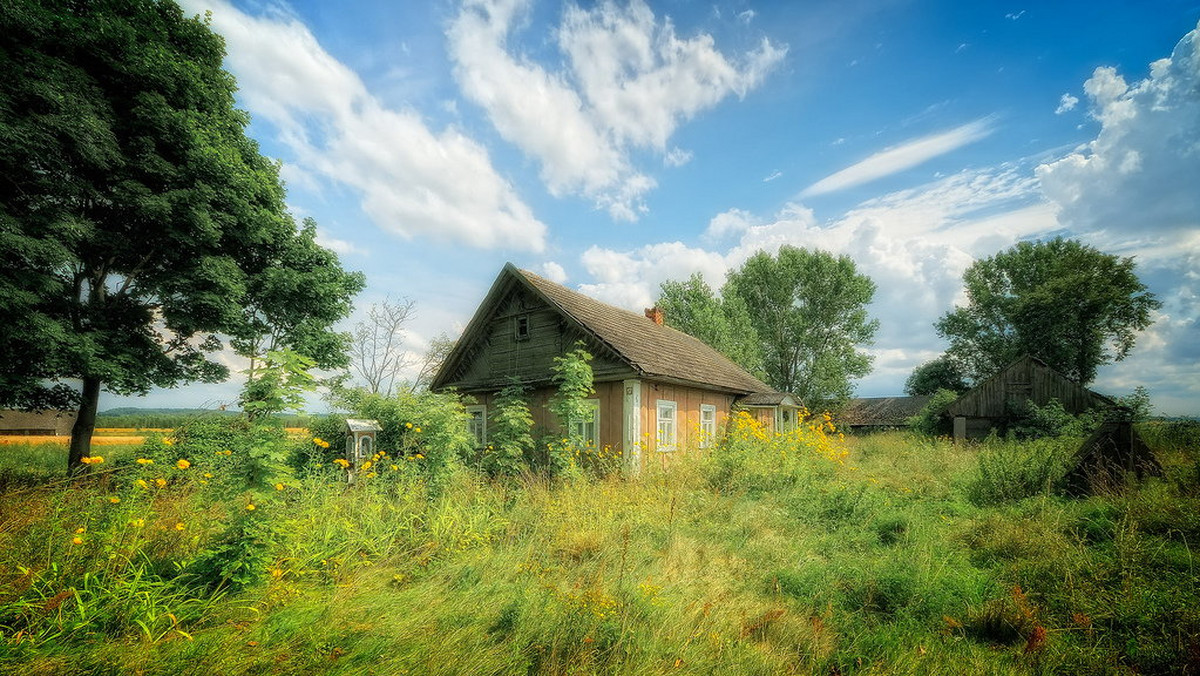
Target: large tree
(943,373)
(722,323)
(1070,305)
(809,312)
(140,224)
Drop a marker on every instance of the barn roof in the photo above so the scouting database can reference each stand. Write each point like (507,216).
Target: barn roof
(881,411)
(651,350)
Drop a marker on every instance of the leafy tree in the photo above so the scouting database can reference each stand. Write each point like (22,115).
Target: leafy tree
(942,373)
(721,323)
(809,312)
(933,419)
(139,222)
(510,433)
(1071,305)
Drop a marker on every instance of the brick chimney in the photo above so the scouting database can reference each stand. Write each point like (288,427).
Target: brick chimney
(655,314)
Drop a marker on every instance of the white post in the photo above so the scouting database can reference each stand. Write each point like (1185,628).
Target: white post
(633,426)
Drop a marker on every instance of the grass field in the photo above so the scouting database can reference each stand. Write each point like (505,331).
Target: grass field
(908,556)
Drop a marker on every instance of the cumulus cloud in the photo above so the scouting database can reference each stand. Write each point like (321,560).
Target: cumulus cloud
(554,272)
(628,82)
(914,244)
(901,157)
(1066,103)
(412,181)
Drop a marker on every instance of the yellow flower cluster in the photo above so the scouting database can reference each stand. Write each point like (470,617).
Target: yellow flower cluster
(342,462)
(182,463)
(92,460)
(145,461)
(320,442)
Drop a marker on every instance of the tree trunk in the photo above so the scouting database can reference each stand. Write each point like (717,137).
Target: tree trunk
(85,425)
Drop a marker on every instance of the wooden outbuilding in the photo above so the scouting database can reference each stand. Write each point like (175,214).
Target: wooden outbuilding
(360,438)
(658,390)
(993,403)
(875,414)
(37,423)
(1112,455)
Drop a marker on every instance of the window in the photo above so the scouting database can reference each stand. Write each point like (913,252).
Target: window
(522,328)
(477,425)
(364,448)
(587,430)
(666,425)
(708,425)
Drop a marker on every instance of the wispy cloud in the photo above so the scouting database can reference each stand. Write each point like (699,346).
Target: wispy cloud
(902,157)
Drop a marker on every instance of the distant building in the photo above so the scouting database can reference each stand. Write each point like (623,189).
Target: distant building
(658,390)
(43,423)
(875,414)
(991,404)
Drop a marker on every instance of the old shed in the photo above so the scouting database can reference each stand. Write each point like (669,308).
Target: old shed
(991,404)
(874,414)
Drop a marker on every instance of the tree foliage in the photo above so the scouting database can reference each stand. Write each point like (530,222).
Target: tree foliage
(809,312)
(721,323)
(139,223)
(1071,305)
(943,373)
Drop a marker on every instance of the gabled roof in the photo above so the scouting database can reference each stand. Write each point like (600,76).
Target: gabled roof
(769,399)
(649,349)
(881,411)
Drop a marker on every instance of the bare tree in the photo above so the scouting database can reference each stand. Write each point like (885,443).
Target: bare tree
(377,354)
(439,349)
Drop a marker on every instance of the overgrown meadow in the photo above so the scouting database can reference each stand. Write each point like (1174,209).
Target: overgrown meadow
(230,547)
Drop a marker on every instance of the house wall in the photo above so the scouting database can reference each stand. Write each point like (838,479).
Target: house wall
(688,401)
(49,423)
(612,401)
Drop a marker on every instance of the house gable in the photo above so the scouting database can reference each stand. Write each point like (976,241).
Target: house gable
(516,333)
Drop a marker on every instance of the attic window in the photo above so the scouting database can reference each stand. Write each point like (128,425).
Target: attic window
(522,327)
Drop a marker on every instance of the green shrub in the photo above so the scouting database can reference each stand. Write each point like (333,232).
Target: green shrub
(1010,470)
(933,420)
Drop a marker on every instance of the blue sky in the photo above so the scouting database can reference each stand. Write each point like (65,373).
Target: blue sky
(611,146)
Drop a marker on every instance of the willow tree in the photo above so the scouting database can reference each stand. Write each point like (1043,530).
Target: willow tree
(140,224)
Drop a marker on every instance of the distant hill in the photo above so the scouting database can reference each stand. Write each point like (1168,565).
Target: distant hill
(135,410)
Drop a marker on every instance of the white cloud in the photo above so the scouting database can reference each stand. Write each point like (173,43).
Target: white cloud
(628,83)
(1140,174)
(554,272)
(1066,103)
(677,157)
(772,176)
(339,246)
(902,157)
(914,244)
(746,16)
(412,180)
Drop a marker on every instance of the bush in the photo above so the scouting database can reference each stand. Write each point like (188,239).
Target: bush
(933,420)
(1009,470)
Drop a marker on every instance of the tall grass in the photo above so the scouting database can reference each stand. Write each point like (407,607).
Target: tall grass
(879,558)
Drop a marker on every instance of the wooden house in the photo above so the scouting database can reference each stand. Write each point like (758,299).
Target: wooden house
(991,404)
(874,414)
(658,390)
(39,423)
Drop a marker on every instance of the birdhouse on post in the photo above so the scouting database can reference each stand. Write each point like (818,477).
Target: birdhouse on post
(360,439)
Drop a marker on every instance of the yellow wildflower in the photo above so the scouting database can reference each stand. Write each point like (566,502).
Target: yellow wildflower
(182,463)
(169,442)
(395,467)
(180,525)
(81,530)
(138,523)
(408,425)
(371,475)
(160,482)
(141,483)
(114,499)
(278,487)
(417,429)
(77,540)
(420,457)
(250,507)
(208,475)
(366,465)
(145,461)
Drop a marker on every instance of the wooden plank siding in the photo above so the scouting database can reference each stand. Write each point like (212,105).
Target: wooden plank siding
(502,355)
(687,401)
(1026,379)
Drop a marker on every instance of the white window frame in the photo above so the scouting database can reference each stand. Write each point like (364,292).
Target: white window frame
(577,429)
(481,438)
(708,428)
(666,429)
